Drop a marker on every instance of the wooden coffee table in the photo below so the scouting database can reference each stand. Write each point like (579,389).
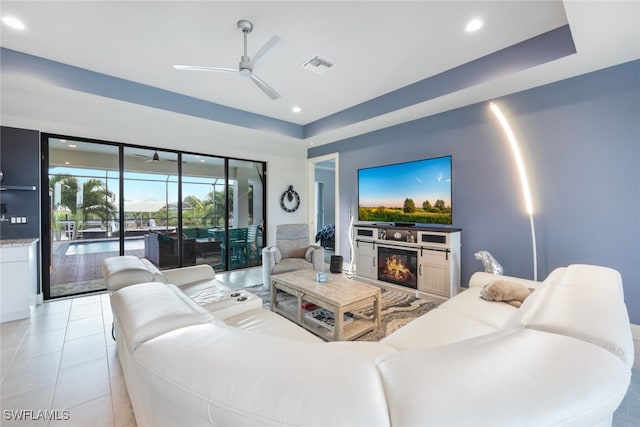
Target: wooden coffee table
(338,294)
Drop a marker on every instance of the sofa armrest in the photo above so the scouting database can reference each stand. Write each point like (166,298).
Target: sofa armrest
(270,256)
(317,258)
(480,278)
(186,275)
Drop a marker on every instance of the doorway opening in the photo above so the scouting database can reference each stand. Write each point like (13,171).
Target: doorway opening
(324,187)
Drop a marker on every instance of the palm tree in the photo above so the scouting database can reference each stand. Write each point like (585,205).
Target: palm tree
(195,216)
(215,207)
(68,190)
(97,201)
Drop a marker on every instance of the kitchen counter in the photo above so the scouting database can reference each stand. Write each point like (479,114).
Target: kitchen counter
(18,277)
(17,242)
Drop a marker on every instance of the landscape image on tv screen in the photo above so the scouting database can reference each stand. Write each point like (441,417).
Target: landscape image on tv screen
(411,192)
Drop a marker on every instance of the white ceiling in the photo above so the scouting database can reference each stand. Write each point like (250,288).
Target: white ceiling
(380,47)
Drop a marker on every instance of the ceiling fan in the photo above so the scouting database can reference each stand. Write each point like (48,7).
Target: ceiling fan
(154,159)
(246,65)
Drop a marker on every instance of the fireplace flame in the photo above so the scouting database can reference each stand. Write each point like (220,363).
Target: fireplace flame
(396,269)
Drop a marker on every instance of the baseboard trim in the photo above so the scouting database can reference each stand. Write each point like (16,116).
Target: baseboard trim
(635,332)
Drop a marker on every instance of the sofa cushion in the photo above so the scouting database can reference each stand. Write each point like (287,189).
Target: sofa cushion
(147,310)
(567,308)
(510,377)
(438,327)
(189,275)
(155,271)
(469,303)
(465,316)
(231,377)
(266,322)
(370,350)
(123,271)
(189,233)
(291,264)
(293,248)
(221,301)
(164,237)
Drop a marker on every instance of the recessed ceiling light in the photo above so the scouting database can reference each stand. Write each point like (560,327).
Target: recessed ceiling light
(201,160)
(296,109)
(67,163)
(72,146)
(13,22)
(474,25)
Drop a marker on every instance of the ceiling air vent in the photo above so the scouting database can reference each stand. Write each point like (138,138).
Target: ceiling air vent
(318,64)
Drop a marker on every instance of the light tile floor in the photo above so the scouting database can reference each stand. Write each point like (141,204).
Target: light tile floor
(64,359)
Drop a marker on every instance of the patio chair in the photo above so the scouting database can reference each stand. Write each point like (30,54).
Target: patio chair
(237,247)
(253,246)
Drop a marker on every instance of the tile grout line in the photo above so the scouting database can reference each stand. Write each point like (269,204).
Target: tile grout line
(106,348)
(15,353)
(64,341)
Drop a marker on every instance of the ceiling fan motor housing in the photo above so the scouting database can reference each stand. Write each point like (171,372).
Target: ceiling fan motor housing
(245,26)
(244,67)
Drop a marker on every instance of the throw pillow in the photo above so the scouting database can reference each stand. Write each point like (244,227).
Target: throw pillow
(513,293)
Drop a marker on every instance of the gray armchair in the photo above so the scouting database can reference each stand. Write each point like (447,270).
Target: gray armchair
(292,251)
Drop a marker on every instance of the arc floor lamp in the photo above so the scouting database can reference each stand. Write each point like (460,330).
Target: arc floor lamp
(524,181)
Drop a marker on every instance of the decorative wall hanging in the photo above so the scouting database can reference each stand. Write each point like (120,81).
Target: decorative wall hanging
(290,200)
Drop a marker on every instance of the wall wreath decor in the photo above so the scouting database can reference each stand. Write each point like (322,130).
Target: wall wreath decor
(290,200)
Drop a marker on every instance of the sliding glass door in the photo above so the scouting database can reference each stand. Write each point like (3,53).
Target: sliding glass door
(174,209)
(245,212)
(203,201)
(83,205)
(150,191)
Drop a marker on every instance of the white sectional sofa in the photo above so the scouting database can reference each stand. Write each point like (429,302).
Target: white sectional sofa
(196,282)
(563,358)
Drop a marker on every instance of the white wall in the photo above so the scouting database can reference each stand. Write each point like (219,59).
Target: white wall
(281,173)
(61,111)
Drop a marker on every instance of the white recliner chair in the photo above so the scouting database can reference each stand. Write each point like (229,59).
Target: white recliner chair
(292,251)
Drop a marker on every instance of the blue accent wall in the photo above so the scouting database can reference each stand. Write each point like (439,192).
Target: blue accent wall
(580,139)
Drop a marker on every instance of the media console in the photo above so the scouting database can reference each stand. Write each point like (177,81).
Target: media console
(426,259)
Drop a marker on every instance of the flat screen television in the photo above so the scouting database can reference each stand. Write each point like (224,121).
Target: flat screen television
(410,192)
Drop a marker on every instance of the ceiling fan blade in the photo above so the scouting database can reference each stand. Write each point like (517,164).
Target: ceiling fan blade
(203,68)
(271,92)
(265,48)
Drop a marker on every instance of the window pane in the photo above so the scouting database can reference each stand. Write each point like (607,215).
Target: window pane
(150,205)
(83,193)
(245,211)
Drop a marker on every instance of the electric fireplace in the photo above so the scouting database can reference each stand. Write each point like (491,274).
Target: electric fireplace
(398,266)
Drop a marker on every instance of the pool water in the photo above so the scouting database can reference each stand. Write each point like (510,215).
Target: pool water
(85,248)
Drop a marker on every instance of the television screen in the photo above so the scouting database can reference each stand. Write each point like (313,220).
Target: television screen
(412,192)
